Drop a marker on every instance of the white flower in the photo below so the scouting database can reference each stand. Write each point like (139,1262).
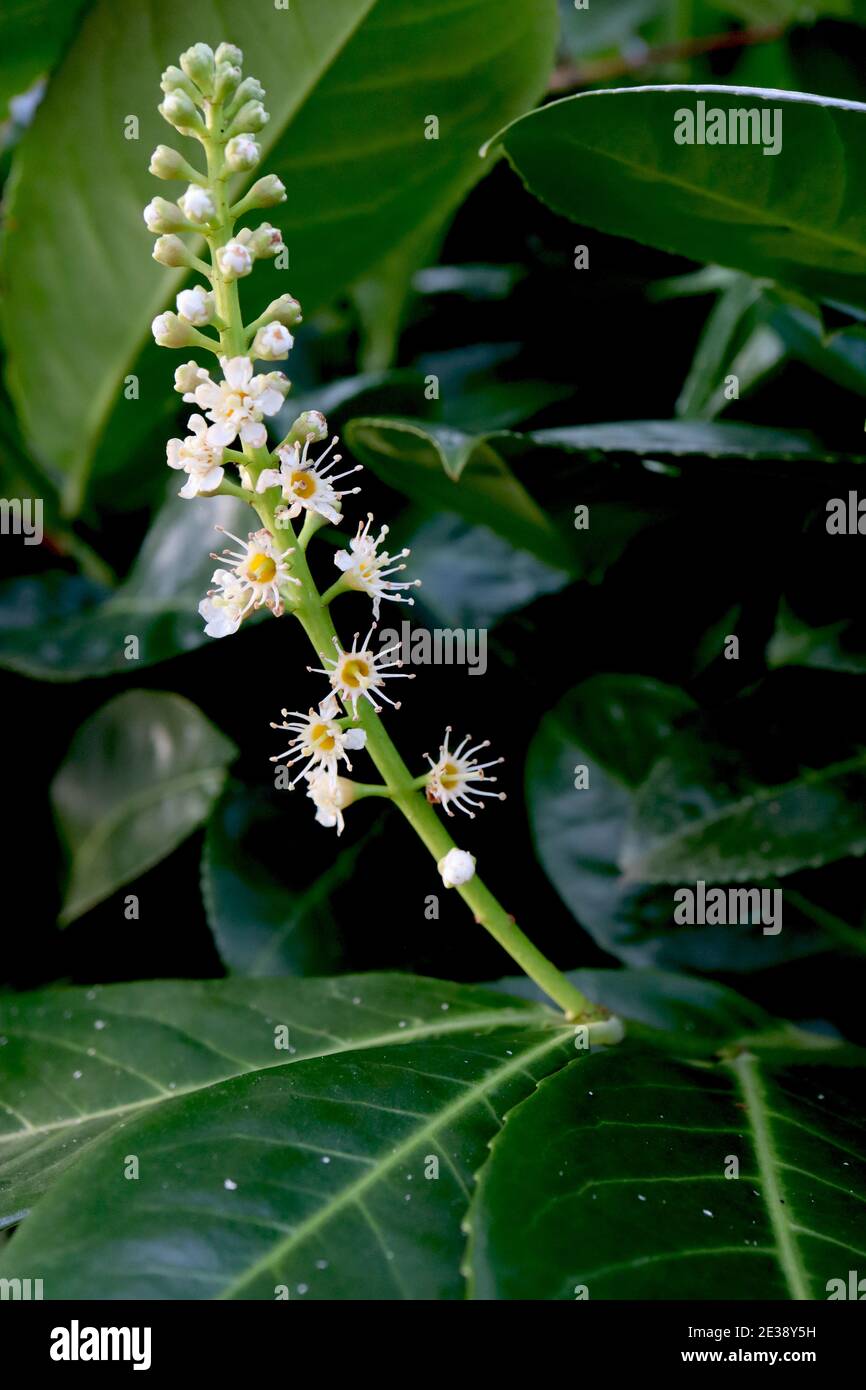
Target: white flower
(363,569)
(234,260)
(253,581)
(456,867)
(331,799)
(170,331)
(187,378)
(272,342)
(237,404)
(196,305)
(361,673)
(162,216)
(242,152)
(197,206)
(200,455)
(305,484)
(453,776)
(319,741)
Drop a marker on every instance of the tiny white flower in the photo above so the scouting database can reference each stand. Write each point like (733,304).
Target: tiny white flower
(196,305)
(197,206)
(237,404)
(199,455)
(330,799)
(364,569)
(257,570)
(187,378)
(307,484)
(319,742)
(234,260)
(454,775)
(272,343)
(361,673)
(170,331)
(456,867)
(242,153)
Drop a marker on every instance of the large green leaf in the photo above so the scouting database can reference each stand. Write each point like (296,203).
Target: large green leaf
(140,775)
(32,37)
(79,1062)
(618,727)
(610,159)
(628,1196)
(315,1173)
(64,639)
(349,86)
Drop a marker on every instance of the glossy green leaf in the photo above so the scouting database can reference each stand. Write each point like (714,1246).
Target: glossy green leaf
(349,85)
(80,1062)
(271,914)
(631,1194)
(617,727)
(313,1174)
(837,646)
(157,603)
(610,159)
(33,34)
(141,774)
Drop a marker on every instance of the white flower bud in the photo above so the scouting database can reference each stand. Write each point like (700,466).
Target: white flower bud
(242,153)
(170,331)
(230,53)
(456,867)
(170,250)
(251,117)
(234,260)
(264,241)
(178,109)
(196,306)
(272,343)
(226,81)
(198,64)
(188,377)
(198,206)
(166,163)
(310,427)
(174,80)
(266,192)
(250,89)
(162,216)
(285,310)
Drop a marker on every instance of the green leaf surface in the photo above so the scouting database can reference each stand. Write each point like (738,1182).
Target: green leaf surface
(628,1198)
(609,159)
(617,727)
(157,603)
(80,1062)
(141,774)
(308,1172)
(33,34)
(349,86)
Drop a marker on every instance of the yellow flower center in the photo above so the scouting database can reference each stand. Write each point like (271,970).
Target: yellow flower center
(320,734)
(354,671)
(303,484)
(261,568)
(449,777)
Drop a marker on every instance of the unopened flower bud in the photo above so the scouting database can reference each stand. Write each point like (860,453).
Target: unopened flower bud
(252,116)
(162,216)
(198,64)
(174,80)
(166,163)
(171,331)
(250,89)
(266,192)
(198,206)
(242,153)
(230,53)
(170,250)
(311,425)
(272,343)
(264,241)
(187,377)
(226,81)
(178,109)
(196,305)
(234,260)
(285,310)
(456,867)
